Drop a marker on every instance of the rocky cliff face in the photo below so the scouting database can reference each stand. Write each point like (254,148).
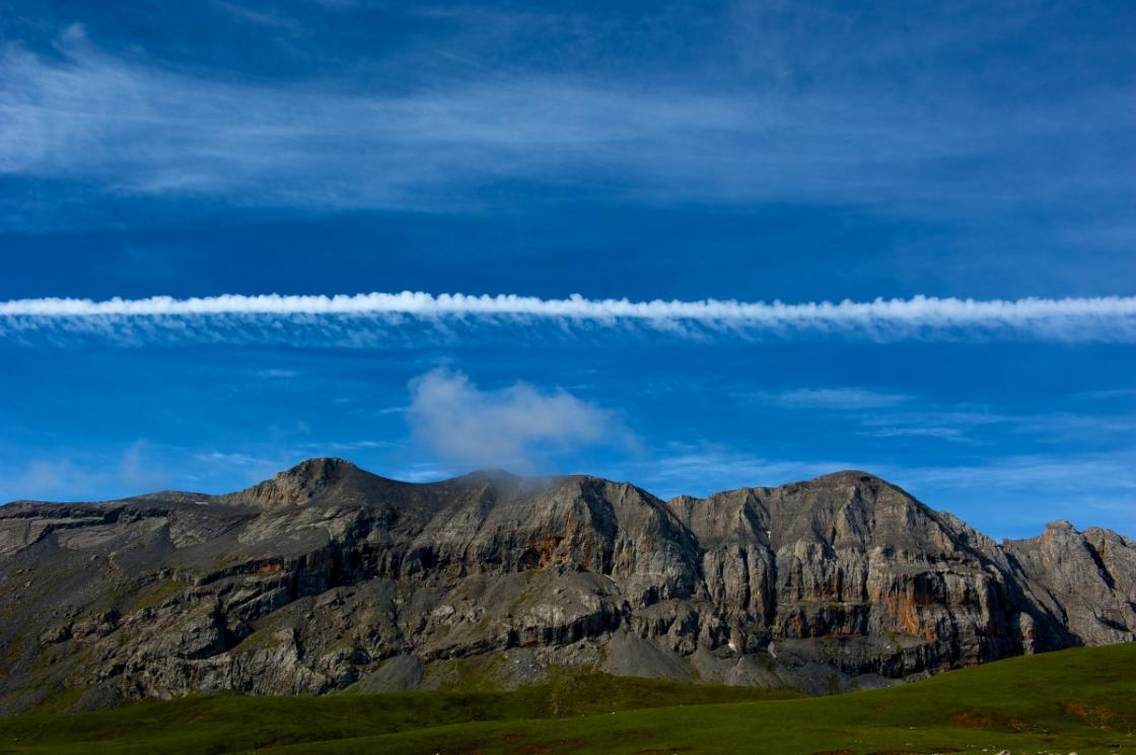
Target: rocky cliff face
(326,577)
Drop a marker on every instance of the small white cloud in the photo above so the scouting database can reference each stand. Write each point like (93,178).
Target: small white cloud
(836,398)
(513,427)
(424,472)
(943,433)
(345,446)
(277,373)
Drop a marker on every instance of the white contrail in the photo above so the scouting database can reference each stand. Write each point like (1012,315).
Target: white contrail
(1110,318)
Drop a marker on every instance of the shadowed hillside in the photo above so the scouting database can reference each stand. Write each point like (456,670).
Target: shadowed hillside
(1074,700)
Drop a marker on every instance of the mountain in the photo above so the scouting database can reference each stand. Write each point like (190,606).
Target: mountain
(327,577)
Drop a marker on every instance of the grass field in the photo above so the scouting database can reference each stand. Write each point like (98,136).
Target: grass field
(1081,700)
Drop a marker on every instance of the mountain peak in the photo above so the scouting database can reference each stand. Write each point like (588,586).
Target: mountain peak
(300,484)
(319,468)
(850,477)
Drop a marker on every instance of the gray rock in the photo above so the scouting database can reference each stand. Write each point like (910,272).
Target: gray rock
(327,576)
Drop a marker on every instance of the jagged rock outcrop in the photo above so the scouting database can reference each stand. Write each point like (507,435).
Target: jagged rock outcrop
(327,576)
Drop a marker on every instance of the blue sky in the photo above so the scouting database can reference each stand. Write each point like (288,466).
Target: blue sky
(801,152)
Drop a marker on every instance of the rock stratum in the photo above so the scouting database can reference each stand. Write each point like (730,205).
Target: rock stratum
(328,577)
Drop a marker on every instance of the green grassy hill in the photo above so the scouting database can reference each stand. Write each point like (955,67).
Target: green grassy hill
(1081,700)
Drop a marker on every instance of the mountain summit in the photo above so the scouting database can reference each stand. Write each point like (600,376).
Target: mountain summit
(327,577)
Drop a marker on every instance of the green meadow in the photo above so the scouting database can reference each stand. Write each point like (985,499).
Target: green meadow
(1081,700)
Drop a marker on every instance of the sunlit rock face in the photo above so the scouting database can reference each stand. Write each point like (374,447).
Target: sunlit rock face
(327,576)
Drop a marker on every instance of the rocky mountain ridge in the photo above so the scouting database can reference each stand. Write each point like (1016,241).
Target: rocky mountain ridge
(327,577)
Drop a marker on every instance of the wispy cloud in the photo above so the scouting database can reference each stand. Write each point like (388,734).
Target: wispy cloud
(702,468)
(965,423)
(513,427)
(1092,489)
(275,373)
(1107,394)
(943,433)
(260,18)
(1048,473)
(424,472)
(845,398)
(346,446)
(347,318)
(133,470)
(126,127)
(265,465)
